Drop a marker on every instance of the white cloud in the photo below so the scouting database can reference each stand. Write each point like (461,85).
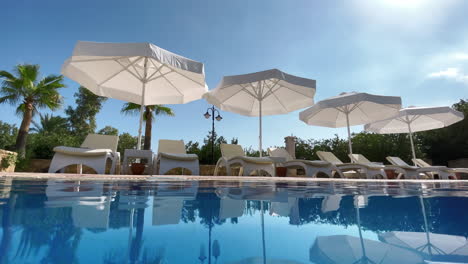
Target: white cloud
(460,56)
(451,73)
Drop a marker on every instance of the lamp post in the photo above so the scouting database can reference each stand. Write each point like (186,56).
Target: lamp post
(207,115)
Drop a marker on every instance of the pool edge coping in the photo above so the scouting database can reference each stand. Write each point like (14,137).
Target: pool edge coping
(101,177)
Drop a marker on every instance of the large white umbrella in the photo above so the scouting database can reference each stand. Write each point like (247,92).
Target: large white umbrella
(140,73)
(350,109)
(414,119)
(428,243)
(259,260)
(270,92)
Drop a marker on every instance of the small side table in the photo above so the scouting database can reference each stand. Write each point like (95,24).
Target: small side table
(138,154)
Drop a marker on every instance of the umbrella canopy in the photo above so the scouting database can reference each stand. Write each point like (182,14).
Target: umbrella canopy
(350,109)
(270,92)
(342,249)
(428,243)
(140,73)
(414,119)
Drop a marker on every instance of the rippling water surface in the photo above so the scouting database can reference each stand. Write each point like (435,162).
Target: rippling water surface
(208,222)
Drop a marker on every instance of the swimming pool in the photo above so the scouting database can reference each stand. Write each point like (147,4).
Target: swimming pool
(58,221)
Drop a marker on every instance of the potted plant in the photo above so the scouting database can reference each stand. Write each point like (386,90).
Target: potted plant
(137,168)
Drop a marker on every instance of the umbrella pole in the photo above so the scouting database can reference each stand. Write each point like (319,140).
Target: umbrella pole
(260,127)
(142,109)
(349,134)
(360,233)
(426,226)
(263,233)
(411,140)
(142,105)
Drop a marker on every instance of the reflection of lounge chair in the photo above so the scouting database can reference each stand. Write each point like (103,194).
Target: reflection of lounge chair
(421,163)
(414,171)
(90,207)
(168,202)
(234,155)
(331,203)
(370,170)
(94,153)
(283,208)
(311,167)
(167,211)
(230,208)
(172,154)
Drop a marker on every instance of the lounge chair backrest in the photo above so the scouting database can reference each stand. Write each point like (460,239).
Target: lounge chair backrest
(171,146)
(397,161)
(280,152)
(231,150)
(359,158)
(329,157)
(96,141)
(421,163)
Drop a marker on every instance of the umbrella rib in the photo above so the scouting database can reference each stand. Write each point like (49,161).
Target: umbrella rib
(159,76)
(158,69)
(281,103)
(247,91)
(122,70)
(107,59)
(362,111)
(132,64)
(435,119)
(172,84)
(270,89)
(186,77)
(154,73)
(297,91)
(232,94)
(134,68)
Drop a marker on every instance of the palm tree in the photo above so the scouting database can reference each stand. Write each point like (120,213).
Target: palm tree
(151,111)
(49,124)
(31,93)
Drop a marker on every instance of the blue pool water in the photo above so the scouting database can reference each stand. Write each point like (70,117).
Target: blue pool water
(208,222)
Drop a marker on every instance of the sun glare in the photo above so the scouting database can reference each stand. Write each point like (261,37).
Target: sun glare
(404,3)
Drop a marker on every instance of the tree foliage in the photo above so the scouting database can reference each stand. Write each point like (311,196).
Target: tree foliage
(82,118)
(149,115)
(8,134)
(109,130)
(449,143)
(25,89)
(50,124)
(204,151)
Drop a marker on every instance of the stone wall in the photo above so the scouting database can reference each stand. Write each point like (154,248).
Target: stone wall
(4,154)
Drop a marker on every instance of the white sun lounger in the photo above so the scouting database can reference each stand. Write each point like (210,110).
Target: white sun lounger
(370,170)
(421,163)
(415,172)
(172,154)
(234,155)
(311,167)
(94,153)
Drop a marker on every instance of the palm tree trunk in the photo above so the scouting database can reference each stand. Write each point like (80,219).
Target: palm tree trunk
(148,128)
(24,130)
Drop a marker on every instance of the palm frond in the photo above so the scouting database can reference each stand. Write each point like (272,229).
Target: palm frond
(130,109)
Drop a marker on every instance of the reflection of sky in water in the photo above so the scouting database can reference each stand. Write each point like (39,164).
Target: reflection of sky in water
(89,223)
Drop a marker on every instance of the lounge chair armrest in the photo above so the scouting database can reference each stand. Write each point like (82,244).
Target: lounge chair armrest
(277,160)
(181,157)
(87,152)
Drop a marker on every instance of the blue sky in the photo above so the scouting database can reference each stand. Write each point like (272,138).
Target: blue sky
(416,49)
